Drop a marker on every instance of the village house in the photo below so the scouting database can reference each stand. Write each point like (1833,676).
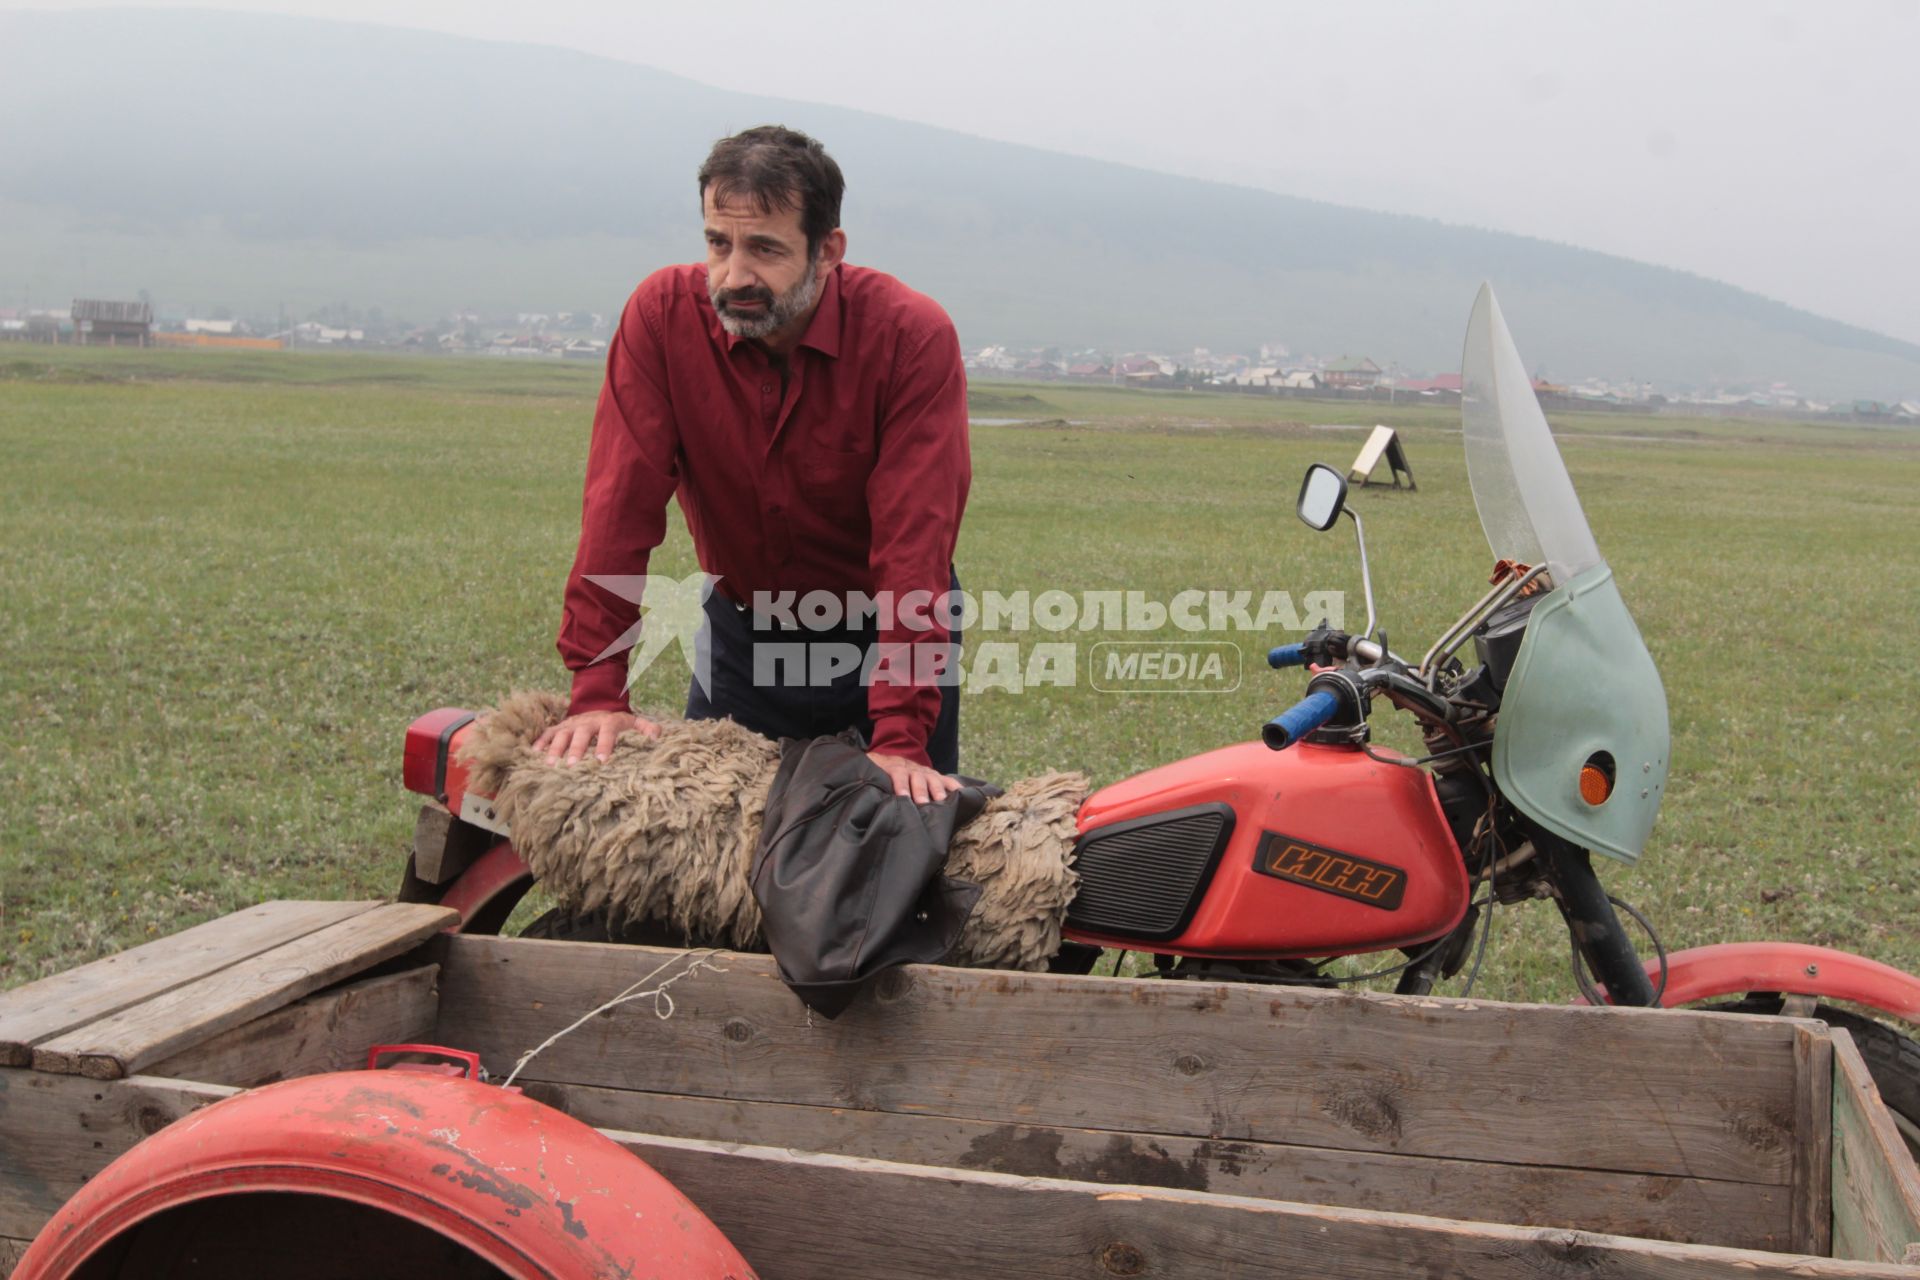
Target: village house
(1352,371)
(102,323)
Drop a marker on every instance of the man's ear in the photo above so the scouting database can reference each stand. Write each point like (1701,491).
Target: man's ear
(833,250)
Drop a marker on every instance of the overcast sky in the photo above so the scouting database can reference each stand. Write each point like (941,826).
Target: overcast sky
(1772,145)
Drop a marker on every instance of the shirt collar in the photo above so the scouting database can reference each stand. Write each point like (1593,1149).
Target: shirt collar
(823,331)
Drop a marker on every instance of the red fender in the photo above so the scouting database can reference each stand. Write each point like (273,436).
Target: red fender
(1791,968)
(486,893)
(520,1185)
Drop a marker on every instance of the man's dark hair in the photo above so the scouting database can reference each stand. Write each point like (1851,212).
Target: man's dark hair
(773,167)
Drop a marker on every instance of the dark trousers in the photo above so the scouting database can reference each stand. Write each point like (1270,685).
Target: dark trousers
(797,707)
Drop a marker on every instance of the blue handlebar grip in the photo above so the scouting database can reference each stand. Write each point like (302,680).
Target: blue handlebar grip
(1299,720)
(1287,655)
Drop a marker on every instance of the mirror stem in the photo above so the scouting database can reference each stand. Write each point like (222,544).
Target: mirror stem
(1366,578)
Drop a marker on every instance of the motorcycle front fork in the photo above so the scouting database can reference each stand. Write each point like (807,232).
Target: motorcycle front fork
(1591,920)
(1597,930)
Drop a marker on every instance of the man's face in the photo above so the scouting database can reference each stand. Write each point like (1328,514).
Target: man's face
(759,273)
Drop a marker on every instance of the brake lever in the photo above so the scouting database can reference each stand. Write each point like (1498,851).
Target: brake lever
(1412,695)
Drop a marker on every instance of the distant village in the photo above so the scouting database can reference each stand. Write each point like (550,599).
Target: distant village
(581,335)
(1276,371)
(113,323)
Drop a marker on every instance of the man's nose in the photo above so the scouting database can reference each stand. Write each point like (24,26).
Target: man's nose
(738,274)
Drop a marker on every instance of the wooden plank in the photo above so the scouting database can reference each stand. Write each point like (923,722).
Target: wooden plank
(1643,1091)
(1734,1214)
(1813,1142)
(1876,1190)
(42,1010)
(806,1216)
(133,1039)
(443,848)
(58,1131)
(10,1251)
(801,1216)
(331,1031)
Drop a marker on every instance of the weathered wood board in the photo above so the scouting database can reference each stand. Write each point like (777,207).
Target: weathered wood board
(1813,1142)
(1619,1090)
(331,1031)
(41,1010)
(127,1042)
(1876,1190)
(443,849)
(806,1216)
(800,1216)
(57,1131)
(1734,1214)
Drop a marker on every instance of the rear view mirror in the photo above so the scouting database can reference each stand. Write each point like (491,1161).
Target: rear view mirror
(1323,494)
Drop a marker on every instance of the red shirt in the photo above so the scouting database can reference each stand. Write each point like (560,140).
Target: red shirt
(853,480)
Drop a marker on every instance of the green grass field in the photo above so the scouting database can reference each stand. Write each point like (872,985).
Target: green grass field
(230,580)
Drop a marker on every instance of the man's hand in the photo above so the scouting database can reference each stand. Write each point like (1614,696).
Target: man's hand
(922,782)
(597,729)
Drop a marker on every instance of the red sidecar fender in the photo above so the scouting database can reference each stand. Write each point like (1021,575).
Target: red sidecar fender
(527,1188)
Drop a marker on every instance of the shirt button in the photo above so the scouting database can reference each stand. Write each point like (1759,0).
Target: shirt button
(766,388)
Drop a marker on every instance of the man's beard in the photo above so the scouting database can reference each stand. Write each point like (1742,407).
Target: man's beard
(779,312)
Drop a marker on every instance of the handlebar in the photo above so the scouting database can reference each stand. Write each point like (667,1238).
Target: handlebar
(1326,648)
(1287,655)
(1301,719)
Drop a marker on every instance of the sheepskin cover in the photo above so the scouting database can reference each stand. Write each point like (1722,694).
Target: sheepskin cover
(665,830)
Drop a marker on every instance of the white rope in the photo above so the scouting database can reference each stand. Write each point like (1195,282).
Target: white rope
(662,1002)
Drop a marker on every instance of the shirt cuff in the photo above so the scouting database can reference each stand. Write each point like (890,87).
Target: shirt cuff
(903,736)
(600,687)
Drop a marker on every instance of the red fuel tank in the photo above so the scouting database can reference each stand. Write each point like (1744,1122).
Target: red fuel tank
(1248,852)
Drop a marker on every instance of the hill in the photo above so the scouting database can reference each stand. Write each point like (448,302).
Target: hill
(250,161)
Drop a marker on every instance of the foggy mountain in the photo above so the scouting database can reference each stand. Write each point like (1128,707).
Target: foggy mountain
(263,162)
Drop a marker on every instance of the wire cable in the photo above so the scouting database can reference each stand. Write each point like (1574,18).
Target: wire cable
(1480,953)
(1659,947)
(1588,990)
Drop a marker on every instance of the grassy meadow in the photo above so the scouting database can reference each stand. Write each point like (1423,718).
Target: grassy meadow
(229,580)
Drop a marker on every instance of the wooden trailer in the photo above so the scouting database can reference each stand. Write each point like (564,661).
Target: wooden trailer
(959,1122)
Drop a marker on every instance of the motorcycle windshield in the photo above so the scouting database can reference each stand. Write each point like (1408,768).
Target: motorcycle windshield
(1583,694)
(1520,487)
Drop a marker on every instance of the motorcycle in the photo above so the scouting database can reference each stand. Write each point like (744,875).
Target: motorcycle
(1269,861)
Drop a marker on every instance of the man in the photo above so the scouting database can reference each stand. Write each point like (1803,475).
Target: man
(811,417)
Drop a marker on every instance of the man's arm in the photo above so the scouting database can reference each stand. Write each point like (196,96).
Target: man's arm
(631,472)
(915,497)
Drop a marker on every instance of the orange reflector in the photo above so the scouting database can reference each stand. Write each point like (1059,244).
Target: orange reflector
(1595,785)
